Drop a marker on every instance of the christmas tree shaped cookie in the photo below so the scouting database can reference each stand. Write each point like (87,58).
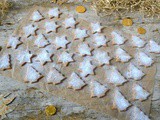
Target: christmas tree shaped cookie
(139,93)
(75,82)
(36,16)
(137,114)
(102,57)
(24,57)
(13,42)
(5,62)
(115,77)
(137,42)
(117,39)
(97,89)
(86,68)
(84,49)
(100,40)
(143,59)
(54,76)
(153,47)
(41,41)
(119,101)
(32,75)
(133,72)
(122,55)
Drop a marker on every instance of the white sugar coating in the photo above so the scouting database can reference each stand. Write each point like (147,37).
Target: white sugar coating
(5,62)
(102,57)
(43,57)
(13,41)
(69,22)
(120,102)
(80,33)
(30,30)
(122,55)
(61,42)
(117,38)
(36,16)
(24,57)
(137,114)
(75,82)
(143,59)
(84,49)
(138,42)
(97,89)
(32,75)
(51,27)
(115,77)
(54,12)
(100,40)
(86,68)
(54,76)
(133,72)
(96,27)
(139,93)
(153,47)
(65,58)
(41,41)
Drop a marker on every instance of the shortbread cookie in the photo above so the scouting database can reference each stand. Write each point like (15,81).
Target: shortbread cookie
(65,58)
(117,39)
(137,114)
(96,27)
(5,62)
(115,77)
(75,82)
(122,55)
(37,16)
(43,57)
(24,57)
(119,101)
(51,27)
(139,93)
(137,42)
(54,76)
(102,57)
(30,30)
(143,59)
(13,42)
(100,40)
(84,49)
(80,33)
(153,47)
(97,89)
(133,72)
(61,42)
(41,41)
(54,13)
(86,68)
(70,22)
(32,75)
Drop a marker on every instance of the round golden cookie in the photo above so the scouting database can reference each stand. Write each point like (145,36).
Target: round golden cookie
(127,22)
(141,30)
(80,9)
(50,110)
